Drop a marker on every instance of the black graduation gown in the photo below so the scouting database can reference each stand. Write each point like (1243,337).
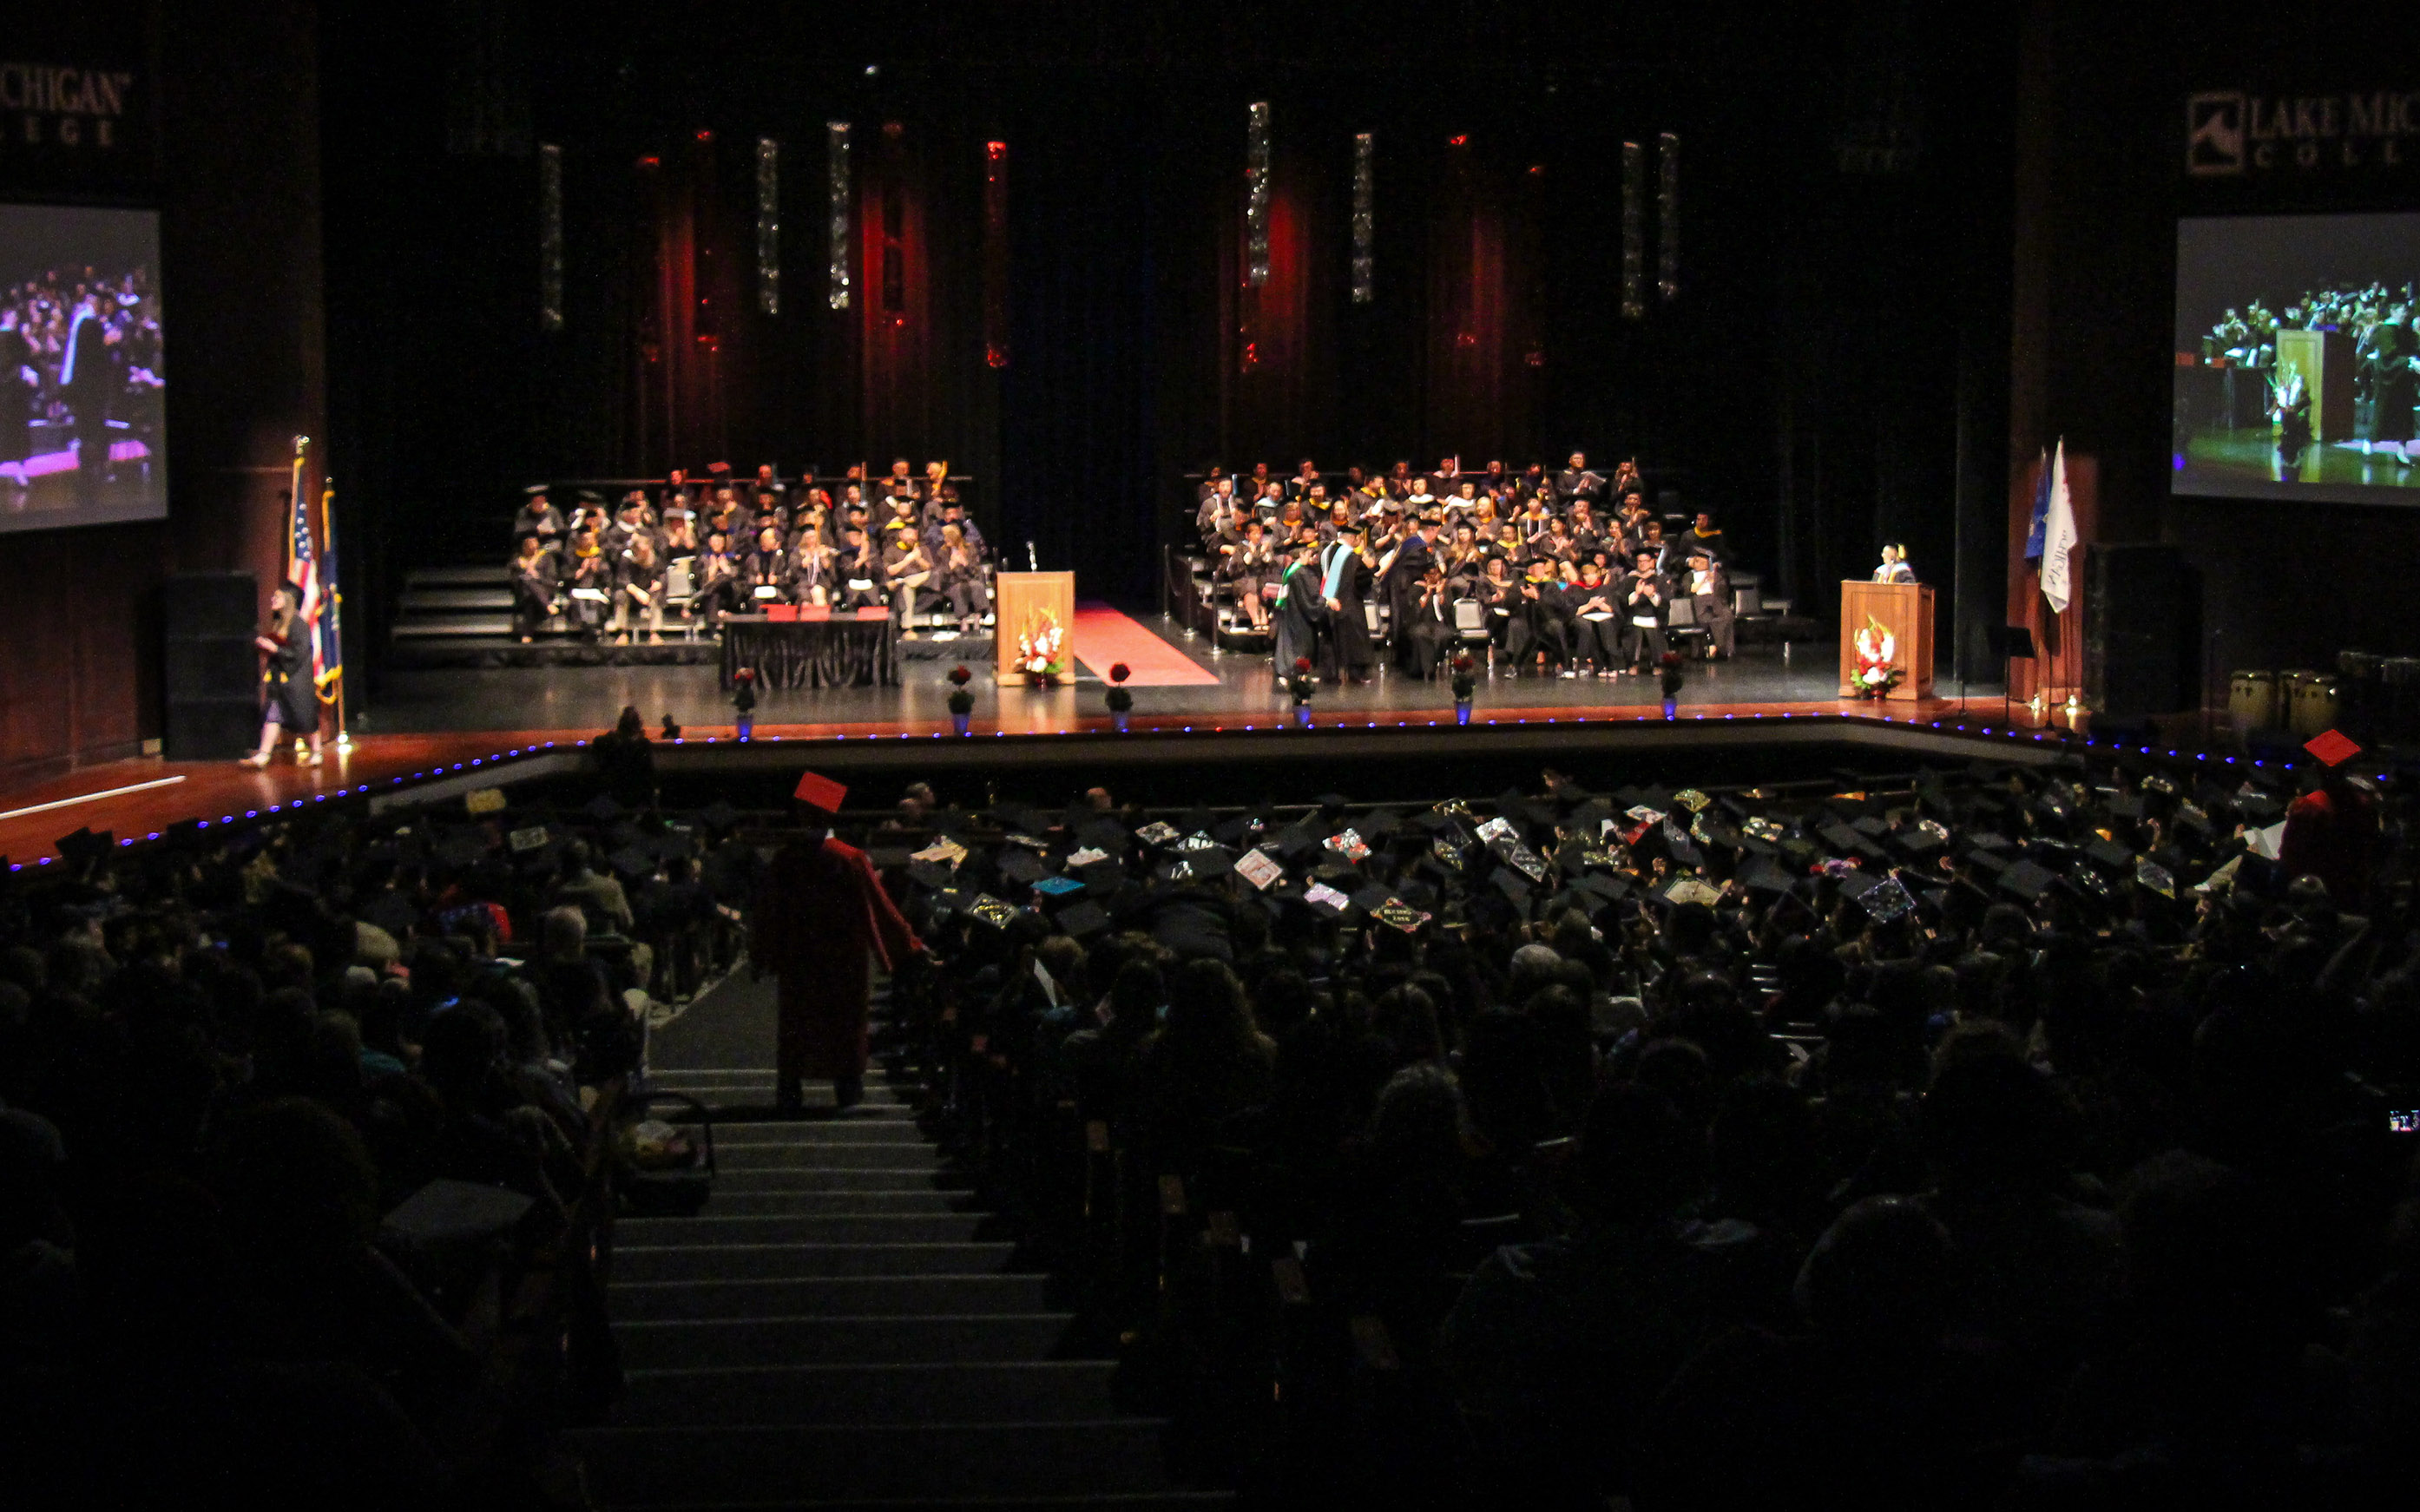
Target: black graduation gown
(1298,621)
(1411,564)
(1537,625)
(1348,650)
(292,698)
(1429,632)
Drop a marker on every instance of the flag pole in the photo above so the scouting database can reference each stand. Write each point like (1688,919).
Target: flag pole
(334,601)
(294,507)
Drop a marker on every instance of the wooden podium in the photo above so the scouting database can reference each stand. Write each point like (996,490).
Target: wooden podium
(1905,610)
(1030,600)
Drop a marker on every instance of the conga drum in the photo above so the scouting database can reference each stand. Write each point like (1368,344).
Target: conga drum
(2400,682)
(2251,701)
(2311,704)
(2357,694)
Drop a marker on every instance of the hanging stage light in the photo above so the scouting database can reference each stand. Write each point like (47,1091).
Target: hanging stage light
(768,225)
(549,237)
(1256,194)
(836,147)
(1633,231)
(1364,239)
(1667,217)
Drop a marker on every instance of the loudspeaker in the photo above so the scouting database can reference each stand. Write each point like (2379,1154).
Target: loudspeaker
(2142,631)
(210,671)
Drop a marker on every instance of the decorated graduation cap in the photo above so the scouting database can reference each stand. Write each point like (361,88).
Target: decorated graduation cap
(84,844)
(820,793)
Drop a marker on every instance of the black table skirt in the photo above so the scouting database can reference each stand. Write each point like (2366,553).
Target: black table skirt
(834,653)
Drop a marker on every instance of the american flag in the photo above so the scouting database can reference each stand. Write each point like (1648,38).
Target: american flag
(302,571)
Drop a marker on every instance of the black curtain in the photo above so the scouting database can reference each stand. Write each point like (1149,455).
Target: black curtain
(1078,448)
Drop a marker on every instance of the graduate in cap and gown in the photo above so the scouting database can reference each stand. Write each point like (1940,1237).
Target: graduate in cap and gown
(1301,614)
(1345,577)
(821,922)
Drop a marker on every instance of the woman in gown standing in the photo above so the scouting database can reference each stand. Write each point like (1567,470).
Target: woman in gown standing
(293,703)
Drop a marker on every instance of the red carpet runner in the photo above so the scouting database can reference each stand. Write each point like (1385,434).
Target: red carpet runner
(1104,636)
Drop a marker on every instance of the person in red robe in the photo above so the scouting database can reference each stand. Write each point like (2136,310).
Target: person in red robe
(2332,834)
(821,919)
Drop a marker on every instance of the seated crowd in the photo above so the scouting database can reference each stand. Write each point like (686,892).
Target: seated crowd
(1568,572)
(693,551)
(2016,1138)
(225,1056)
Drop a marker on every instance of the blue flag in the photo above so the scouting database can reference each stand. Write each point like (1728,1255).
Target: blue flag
(2042,514)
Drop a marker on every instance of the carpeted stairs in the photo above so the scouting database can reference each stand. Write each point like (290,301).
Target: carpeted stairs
(841,1326)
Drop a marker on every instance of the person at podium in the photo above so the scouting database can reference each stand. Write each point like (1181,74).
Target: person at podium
(1894,568)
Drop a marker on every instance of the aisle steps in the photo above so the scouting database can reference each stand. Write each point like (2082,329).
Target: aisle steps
(842,1327)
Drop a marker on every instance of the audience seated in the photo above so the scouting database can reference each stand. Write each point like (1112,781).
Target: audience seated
(2015,1138)
(225,1061)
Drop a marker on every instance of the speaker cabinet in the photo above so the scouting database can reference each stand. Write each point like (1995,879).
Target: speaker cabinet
(211,674)
(2142,631)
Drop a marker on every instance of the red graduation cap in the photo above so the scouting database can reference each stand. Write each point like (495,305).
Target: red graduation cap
(2333,748)
(718,467)
(817,792)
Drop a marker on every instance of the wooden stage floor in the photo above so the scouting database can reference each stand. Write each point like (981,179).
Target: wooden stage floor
(453,728)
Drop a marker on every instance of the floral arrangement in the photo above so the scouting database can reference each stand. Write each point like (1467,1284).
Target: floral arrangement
(1120,701)
(1464,678)
(1876,649)
(962,699)
(1301,685)
(1042,645)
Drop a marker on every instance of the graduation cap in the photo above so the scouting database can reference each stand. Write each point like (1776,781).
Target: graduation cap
(719,814)
(85,843)
(1512,885)
(820,793)
(1332,801)
(1761,875)
(535,490)
(1017,864)
(2109,853)
(1886,900)
(633,861)
(1058,887)
(2027,880)
(1212,864)
(931,874)
(1296,843)
(462,848)
(887,857)
(1083,918)
(603,809)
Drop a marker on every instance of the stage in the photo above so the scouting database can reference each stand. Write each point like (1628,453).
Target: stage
(434,737)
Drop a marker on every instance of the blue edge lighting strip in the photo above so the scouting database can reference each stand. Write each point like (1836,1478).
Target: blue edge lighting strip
(2060,739)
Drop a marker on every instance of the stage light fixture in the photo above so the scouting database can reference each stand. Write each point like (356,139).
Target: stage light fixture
(1667,217)
(1256,193)
(1364,240)
(768,225)
(1633,231)
(836,149)
(549,237)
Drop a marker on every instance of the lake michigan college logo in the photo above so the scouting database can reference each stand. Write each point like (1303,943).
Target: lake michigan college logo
(2214,133)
